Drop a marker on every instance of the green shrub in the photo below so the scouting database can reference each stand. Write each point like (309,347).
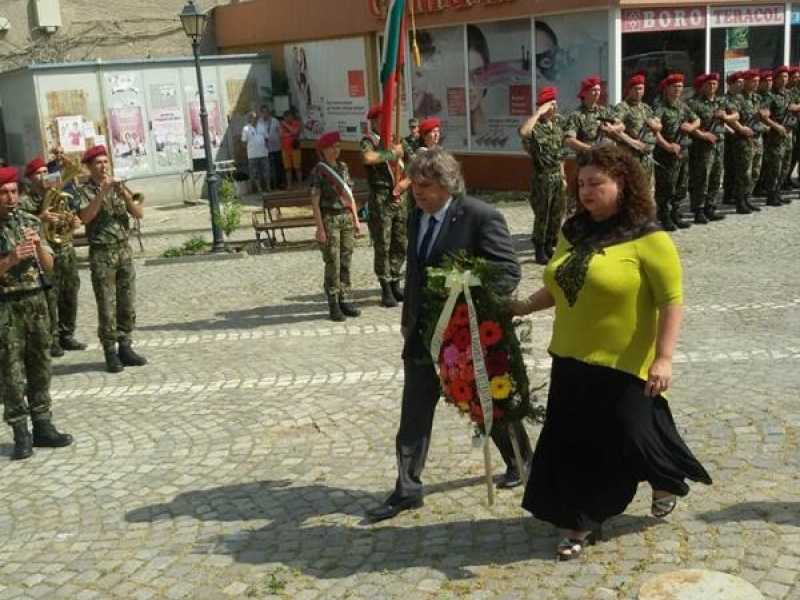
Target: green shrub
(230,209)
(194,244)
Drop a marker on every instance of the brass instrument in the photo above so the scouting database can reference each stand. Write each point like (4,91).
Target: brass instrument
(58,201)
(126,192)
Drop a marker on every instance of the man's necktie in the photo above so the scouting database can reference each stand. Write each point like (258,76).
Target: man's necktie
(427,239)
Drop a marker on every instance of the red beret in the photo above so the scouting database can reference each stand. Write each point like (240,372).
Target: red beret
(8,175)
(751,73)
(670,80)
(546,94)
(429,125)
(34,165)
(637,79)
(699,80)
(766,74)
(779,70)
(328,139)
(93,153)
(735,76)
(375,111)
(588,84)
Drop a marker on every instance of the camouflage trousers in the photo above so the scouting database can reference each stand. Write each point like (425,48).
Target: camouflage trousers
(337,252)
(705,173)
(62,298)
(25,368)
(387,227)
(775,165)
(672,180)
(758,162)
(743,168)
(547,203)
(114,284)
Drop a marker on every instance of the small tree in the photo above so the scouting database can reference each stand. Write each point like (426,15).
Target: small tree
(230,208)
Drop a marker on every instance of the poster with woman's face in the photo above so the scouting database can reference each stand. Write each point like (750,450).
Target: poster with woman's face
(568,49)
(438,84)
(70,133)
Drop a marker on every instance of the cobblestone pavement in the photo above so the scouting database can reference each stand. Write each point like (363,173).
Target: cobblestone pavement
(239,462)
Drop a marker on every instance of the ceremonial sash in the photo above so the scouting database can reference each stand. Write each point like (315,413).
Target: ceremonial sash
(338,182)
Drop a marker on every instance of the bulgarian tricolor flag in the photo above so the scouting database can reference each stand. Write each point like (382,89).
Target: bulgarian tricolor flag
(394,42)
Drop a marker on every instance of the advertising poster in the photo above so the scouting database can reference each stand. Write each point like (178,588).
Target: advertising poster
(327,83)
(169,136)
(70,133)
(214,127)
(438,85)
(568,49)
(128,143)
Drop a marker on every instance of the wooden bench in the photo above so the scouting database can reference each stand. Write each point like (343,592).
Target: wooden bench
(271,218)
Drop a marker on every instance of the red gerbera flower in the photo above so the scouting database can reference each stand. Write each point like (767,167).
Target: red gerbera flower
(462,339)
(460,314)
(497,363)
(460,391)
(490,333)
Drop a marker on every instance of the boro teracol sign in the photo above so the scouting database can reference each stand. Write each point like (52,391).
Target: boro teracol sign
(644,20)
(746,16)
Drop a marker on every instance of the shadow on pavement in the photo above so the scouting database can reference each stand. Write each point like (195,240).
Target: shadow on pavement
(304,531)
(249,318)
(776,512)
(71,369)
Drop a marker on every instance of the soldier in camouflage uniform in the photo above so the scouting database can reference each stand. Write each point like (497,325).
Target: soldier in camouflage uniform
(735,84)
(777,145)
(672,177)
(707,150)
(793,88)
(337,223)
(387,209)
(763,93)
(25,367)
(62,298)
(641,126)
(543,137)
(107,207)
(590,124)
(746,144)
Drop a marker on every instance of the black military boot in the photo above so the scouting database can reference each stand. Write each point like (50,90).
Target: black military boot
(23,441)
(549,249)
(128,357)
(700,217)
(785,199)
(712,214)
(56,350)
(69,343)
(394,285)
(677,218)
(348,309)
(387,298)
(751,206)
(773,199)
(666,221)
(113,363)
(45,435)
(335,309)
(742,208)
(540,256)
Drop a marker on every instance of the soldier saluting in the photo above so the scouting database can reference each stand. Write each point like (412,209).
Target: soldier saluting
(25,367)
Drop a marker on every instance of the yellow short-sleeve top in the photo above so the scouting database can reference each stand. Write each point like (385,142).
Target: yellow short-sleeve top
(613,320)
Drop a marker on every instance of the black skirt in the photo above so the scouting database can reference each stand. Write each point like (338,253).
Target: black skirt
(601,437)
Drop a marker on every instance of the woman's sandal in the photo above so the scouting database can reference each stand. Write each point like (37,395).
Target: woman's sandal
(571,548)
(663,505)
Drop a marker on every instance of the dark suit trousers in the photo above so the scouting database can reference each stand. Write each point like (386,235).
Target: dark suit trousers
(420,396)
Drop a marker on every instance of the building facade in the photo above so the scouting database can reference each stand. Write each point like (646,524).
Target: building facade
(482,61)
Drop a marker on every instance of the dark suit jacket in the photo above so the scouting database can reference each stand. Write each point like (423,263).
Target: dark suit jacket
(470,224)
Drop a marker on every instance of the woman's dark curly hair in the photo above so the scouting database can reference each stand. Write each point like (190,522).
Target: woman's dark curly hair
(636,205)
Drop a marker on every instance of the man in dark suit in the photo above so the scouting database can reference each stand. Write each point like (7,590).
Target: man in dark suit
(443,221)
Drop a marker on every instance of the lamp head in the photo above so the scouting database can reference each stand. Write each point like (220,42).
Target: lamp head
(193,21)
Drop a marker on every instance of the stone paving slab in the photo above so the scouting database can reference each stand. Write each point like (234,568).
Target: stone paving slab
(239,462)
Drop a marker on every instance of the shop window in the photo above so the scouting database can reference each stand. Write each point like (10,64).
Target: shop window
(736,49)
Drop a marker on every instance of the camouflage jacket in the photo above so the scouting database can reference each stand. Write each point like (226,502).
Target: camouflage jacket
(778,102)
(380,176)
(112,224)
(634,116)
(545,145)
(705,108)
(330,198)
(583,125)
(748,106)
(672,116)
(24,276)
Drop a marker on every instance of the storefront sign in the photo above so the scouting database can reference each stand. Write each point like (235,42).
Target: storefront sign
(746,16)
(377,8)
(640,20)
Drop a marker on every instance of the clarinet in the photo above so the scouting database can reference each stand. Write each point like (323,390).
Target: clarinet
(44,280)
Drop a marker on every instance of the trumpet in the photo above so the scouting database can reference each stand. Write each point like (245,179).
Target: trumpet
(121,185)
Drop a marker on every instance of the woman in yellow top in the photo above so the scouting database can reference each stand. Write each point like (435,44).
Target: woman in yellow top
(615,282)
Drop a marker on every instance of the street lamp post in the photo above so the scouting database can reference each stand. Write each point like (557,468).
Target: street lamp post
(193,22)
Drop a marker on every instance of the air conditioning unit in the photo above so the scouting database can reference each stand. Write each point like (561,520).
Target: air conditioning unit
(48,14)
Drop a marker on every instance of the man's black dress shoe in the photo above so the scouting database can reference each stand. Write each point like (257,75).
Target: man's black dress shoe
(393,506)
(510,480)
